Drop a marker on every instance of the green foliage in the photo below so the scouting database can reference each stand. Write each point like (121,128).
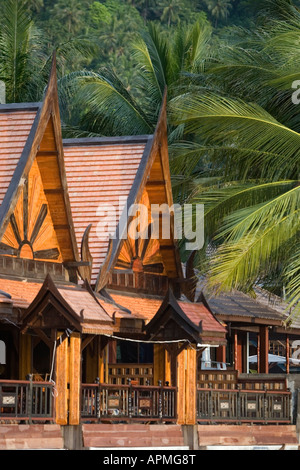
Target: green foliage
(234,132)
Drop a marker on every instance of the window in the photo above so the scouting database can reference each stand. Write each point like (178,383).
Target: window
(131,352)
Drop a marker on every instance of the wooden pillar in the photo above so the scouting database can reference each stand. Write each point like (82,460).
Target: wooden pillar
(287,354)
(158,363)
(168,376)
(91,361)
(112,355)
(191,386)
(187,386)
(101,359)
(264,349)
(181,389)
(25,356)
(221,354)
(75,378)
(62,379)
(258,353)
(238,352)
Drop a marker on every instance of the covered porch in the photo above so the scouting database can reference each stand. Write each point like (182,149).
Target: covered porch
(72,356)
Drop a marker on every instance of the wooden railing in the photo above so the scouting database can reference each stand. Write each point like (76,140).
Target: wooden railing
(241,406)
(141,374)
(232,380)
(26,400)
(103,402)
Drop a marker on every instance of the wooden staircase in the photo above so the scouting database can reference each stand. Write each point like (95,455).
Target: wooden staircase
(115,436)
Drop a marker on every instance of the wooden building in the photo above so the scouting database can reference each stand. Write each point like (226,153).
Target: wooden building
(96,325)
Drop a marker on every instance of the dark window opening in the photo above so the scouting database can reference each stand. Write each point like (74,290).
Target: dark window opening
(134,353)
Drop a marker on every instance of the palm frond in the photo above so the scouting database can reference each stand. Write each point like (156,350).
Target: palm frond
(220,120)
(254,218)
(107,105)
(239,264)
(228,205)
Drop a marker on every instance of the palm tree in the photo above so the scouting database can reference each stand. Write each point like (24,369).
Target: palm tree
(25,58)
(68,13)
(252,207)
(110,108)
(21,51)
(219,9)
(171,11)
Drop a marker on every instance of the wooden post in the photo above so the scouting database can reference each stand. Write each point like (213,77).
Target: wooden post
(181,362)
(25,356)
(287,354)
(158,363)
(264,349)
(112,351)
(258,353)
(91,362)
(101,360)
(168,367)
(190,386)
(221,354)
(106,377)
(187,386)
(62,379)
(75,378)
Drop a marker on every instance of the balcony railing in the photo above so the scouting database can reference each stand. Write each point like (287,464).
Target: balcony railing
(26,400)
(242,406)
(103,402)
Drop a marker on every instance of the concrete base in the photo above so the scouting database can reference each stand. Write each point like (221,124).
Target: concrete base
(190,436)
(72,436)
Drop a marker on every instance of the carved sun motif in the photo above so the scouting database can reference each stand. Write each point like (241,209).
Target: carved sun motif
(30,233)
(145,249)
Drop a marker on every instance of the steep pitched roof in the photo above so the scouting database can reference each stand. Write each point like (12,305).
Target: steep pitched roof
(197,318)
(196,321)
(33,133)
(101,173)
(17,125)
(73,305)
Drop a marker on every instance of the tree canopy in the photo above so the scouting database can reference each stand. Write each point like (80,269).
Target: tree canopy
(230,68)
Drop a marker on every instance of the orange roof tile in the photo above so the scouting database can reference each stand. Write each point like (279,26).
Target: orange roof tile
(15,126)
(141,307)
(197,312)
(22,292)
(99,174)
(146,308)
(84,305)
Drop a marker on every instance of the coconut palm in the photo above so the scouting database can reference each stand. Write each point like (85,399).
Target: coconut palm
(109,107)
(171,11)
(219,9)
(254,229)
(21,48)
(25,57)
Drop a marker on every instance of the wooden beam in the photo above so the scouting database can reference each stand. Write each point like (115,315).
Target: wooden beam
(87,341)
(46,153)
(43,337)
